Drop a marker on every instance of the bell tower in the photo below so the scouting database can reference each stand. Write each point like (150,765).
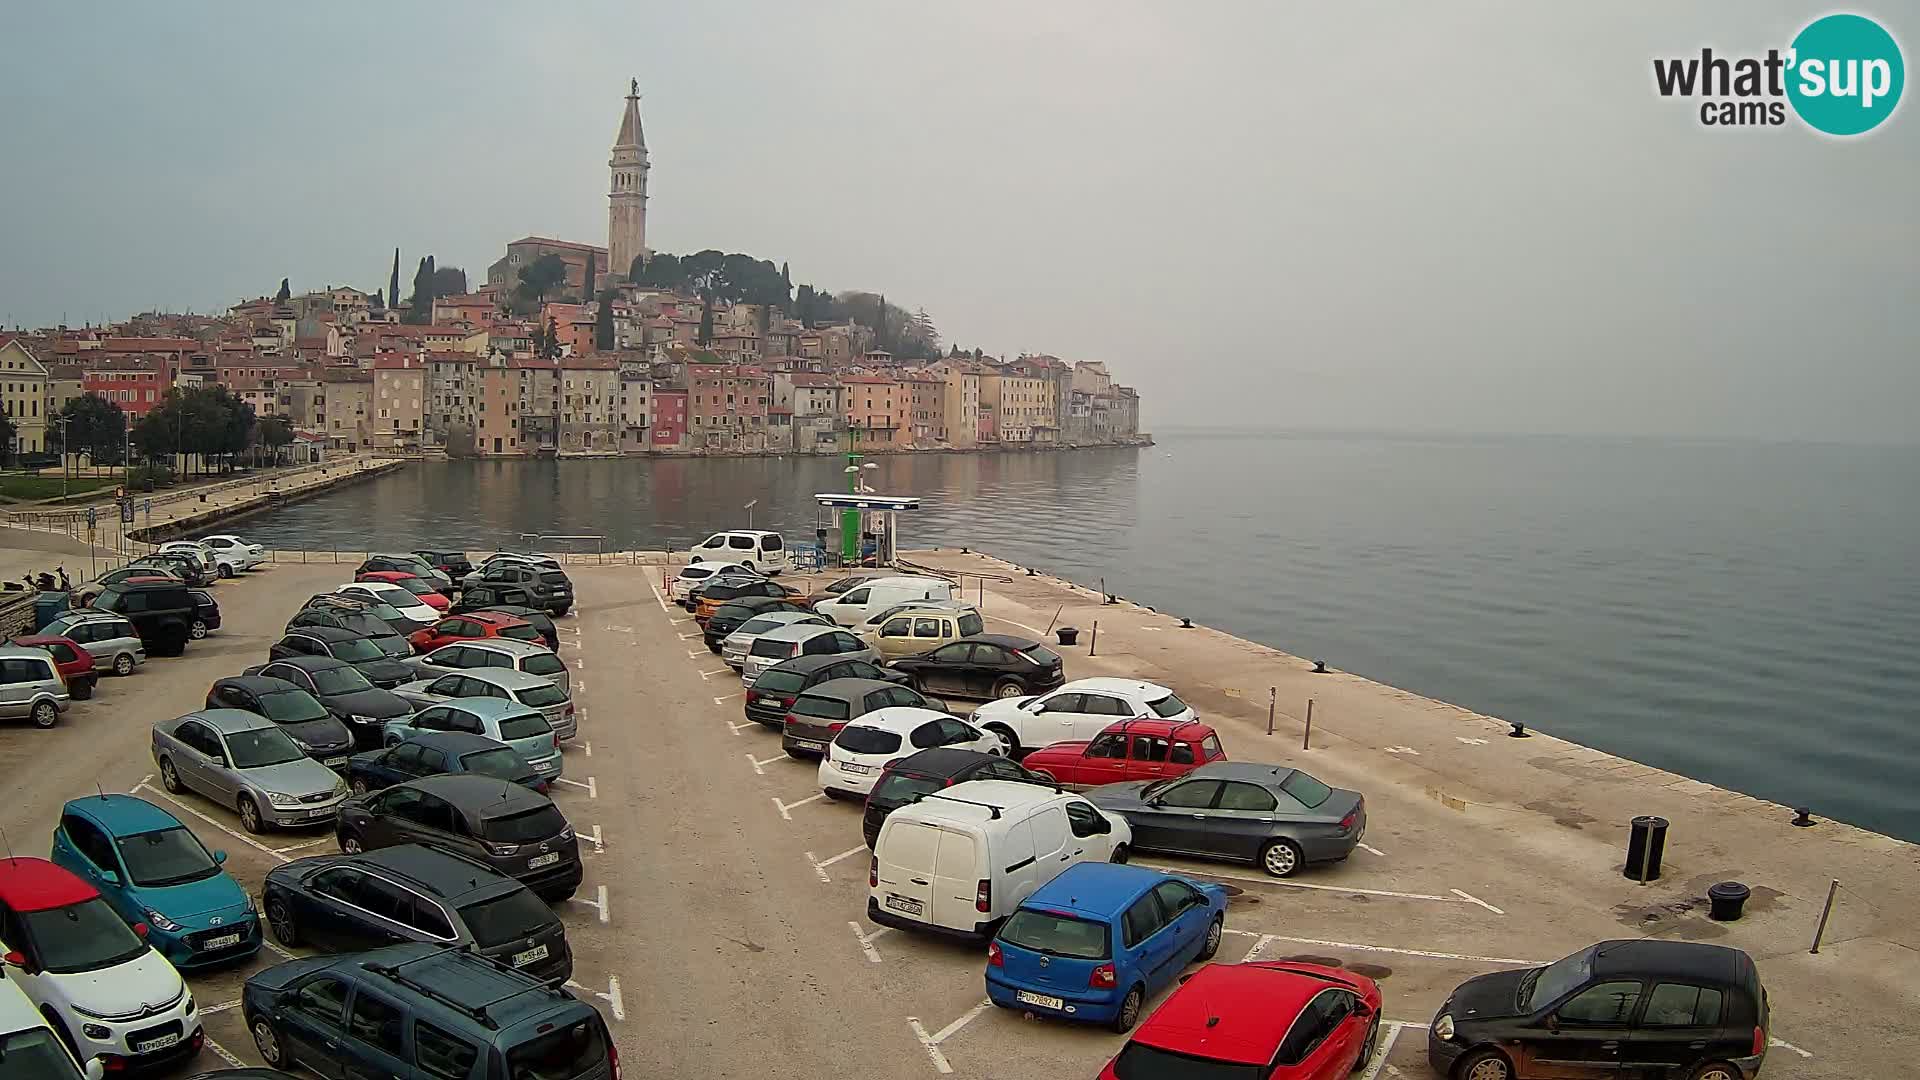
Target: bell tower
(627,190)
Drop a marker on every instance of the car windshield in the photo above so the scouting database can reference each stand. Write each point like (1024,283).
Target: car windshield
(542,664)
(168,857)
(500,763)
(861,739)
(1041,655)
(695,573)
(523,632)
(542,696)
(1171,705)
(775,681)
(723,590)
(904,788)
(34,1054)
(383,611)
(524,726)
(339,680)
(260,747)
(771,647)
(540,823)
(757,626)
(416,586)
(391,644)
(1305,789)
(560,1055)
(1056,934)
(86,936)
(1138,1061)
(355,650)
(518,914)
(1556,980)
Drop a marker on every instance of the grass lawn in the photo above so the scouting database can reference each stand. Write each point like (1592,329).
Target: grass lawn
(30,486)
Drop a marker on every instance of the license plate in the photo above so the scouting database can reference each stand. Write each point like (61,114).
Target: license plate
(341,760)
(855,768)
(1041,1000)
(221,942)
(150,1045)
(325,812)
(901,903)
(809,744)
(539,861)
(522,959)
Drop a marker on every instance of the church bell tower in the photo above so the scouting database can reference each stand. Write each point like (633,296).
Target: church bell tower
(627,190)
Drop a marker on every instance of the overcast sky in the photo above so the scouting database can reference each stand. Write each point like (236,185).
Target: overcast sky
(1443,217)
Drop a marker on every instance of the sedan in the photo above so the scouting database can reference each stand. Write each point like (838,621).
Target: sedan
(985,666)
(427,592)
(862,750)
(313,729)
(1079,710)
(245,761)
(1277,818)
(233,555)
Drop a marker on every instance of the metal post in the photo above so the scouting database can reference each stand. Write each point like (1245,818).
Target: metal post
(1821,930)
(1055,619)
(1096,638)
(1646,855)
(1271,692)
(980,593)
(1306,737)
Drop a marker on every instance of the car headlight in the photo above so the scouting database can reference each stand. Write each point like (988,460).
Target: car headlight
(248,904)
(187,1006)
(1443,1027)
(305,746)
(280,798)
(339,786)
(161,922)
(359,719)
(95,1031)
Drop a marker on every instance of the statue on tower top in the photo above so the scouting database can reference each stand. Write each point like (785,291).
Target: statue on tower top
(633,88)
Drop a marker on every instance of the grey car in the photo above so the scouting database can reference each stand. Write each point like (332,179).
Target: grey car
(247,762)
(113,642)
(533,691)
(733,648)
(494,822)
(819,712)
(30,688)
(496,654)
(1277,818)
(519,726)
(803,639)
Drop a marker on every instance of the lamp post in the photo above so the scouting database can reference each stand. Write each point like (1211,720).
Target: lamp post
(751,503)
(65,457)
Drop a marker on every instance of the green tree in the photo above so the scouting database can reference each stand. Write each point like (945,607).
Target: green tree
(96,427)
(547,346)
(586,288)
(393,283)
(8,433)
(706,316)
(539,277)
(274,433)
(448,281)
(603,323)
(285,292)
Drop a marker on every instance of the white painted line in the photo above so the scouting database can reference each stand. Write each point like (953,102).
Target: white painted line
(1469,742)
(755,762)
(1380,1054)
(219,1007)
(240,836)
(219,1051)
(819,871)
(599,845)
(302,847)
(588,747)
(724,698)
(1259,947)
(940,1064)
(615,629)
(716,671)
(1401,750)
(678,622)
(1472,899)
(601,891)
(784,807)
(966,1018)
(1267,939)
(592,786)
(572,645)
(613,998)
(658,597)
(1037,632)
(849,853)
(1785,1045)
(1283,883)
(690,637)
(737,728)
(866,941)
(266,942)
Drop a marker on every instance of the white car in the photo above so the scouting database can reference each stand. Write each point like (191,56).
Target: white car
(30,1046)
(81,965)
(1080,709)
(733,647)
(234,555)
(408,605)
(856,756)
(683,583)
(198,550)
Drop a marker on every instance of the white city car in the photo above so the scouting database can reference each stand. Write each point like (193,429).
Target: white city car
(408,605)
(855,758)
(1080,709)
(683,583)
(234,555)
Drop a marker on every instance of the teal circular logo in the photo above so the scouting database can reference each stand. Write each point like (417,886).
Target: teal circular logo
(1846,74)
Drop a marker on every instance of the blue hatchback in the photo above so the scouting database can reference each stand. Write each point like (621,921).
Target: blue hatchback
(1100,939)
(154,871)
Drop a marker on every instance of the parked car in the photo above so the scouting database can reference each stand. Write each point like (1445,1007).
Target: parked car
(234,555)
(985,666)
(426,592)
(803,639)
(474,624)
(306,721)
(183,564)
(537,692)
(406,562)
(430,753)
(344,690)
(244,761)
(31,687)
(111,640)
(454,564)
(83,594)
(29,1047)
(496,653)
(463,1016)
(763,552)
(840,585)
(66,945)
(715,591)
(409,892)
(206,614)
(1080,709)
(540,620)
(162,613)
(522,558)
(151,869)
(1100,940)
(1277,818)
(490,596)
(378,623)
(819,712)
(71,659)
(329,642)
(201,550)
(734,646)
(517,832)
(961,859)
(770,694)
(865,747)
(680,587)
(1151,749)
(728,618)
(1278,1019)
(521,727)
(408,605)
(905,780)
(1662,1008)
(546,583)
(921,627)
(856,605)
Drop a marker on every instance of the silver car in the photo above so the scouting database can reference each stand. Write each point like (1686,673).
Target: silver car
(30,687)
(534,691)
(803,639)
(498,654)
(111,640)
(733,647)
(246,761)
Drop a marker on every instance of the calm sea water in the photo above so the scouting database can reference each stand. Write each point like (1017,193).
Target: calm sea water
(1747,614)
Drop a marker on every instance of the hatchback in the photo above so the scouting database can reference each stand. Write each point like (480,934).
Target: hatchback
(377,623)
(735,613)
(345,903)
(519,726)
(317,732)
(430,753)
(31,687)
(911,778)
(405,562)
(153,870)
(112,640)
(773,692)
(497,654)
(70,659)
(1129,750)
(865,747)
(1276,1020)
(986,666)
(533,691)
(367,658)
(454,564)
(1080,709)
(232,554)
(710,594)
(818,714)
(246,762)
(734,646)
(29,1048)
(206,614)
(474,624)
(803,639)
(1099,940)
(503,603)
(517,832)
(357,703)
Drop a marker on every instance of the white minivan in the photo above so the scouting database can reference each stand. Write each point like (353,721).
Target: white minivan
(869,598)
(760,552)
(960,860)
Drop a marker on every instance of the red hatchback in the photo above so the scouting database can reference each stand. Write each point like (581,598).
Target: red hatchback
(1269,1020)
(474,624)
(413,583)
(1148,749)
(74,663)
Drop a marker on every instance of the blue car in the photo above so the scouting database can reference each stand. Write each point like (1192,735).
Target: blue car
(153,870)
(1097,941)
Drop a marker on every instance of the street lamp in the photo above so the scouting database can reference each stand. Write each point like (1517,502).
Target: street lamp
(751,503)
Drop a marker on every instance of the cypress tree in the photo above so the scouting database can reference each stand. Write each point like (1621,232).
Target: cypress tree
(393,285)
(284,293)
(603,323)
(586,291)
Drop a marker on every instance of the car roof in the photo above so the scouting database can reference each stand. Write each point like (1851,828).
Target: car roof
(256,684)
(493,708)
(1257,772)
(493,618)
(942,761)
(228,721)
(38,641)
(326,633)
(1150,691)
(1237,1012)
(481,792)
(747,532)
(532,615)
(22,652)
(1676,959)
(311,663)
(457,743)
(444,874)
(505,678)
(508,997)
(1153,725)
(975,800)
(506,645)
(383,577)
(1005,641)
(899,719)
(846,688)
(30,884)
(799,632)
(1098,889)
(122,815)
(75,615)
(788,616)
(808,664)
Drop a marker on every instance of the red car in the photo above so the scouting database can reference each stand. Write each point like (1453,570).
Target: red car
(74,663)
(1271,1020)
(1149,749)
(413,583)
(474,624)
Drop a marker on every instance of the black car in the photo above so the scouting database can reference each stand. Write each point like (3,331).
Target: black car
(345,903)
(733,614)
(540,620)
(372,661)
(365,605)
(328,609)
(162,612)
(430,753)
(820,711)
(1643,1007)
(1277,818)
(908,779)
(985,665)
(773,693)
(517,832)
(317,732)
(362,706)
(724,587)
(206,614)
(548,586)
(454,564)
(490,596)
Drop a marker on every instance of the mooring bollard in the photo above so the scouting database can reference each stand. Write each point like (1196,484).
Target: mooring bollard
(1272,693)
(1820,931)
(1094,641)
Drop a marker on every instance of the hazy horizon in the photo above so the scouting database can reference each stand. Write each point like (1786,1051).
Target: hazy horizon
(1449,221)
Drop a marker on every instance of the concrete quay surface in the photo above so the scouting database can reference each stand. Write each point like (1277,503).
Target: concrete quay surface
(721,925)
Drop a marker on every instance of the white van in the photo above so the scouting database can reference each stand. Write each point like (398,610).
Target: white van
(760,552)
(961,859)
(869,598)
(29,1049)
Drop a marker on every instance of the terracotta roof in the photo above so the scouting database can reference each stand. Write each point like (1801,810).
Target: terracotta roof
(589,363)
(547,241)
(148,344)
(395,363)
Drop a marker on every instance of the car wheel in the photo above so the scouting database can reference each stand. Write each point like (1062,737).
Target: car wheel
(350,844)
(267,1041)
(1007,736)
(359,787)
(59,1027)
(46,714)
(1716,1070)
(1007,688)
(1129,1013)
(1367,1048)
(226,570)
(280,919)
(250,819)
(1486,1064)
(1212,944)
(170,779)
(198,630)
(1120,854)
(123,664)
(1280,858)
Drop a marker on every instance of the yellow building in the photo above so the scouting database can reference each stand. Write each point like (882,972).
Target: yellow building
(23,396)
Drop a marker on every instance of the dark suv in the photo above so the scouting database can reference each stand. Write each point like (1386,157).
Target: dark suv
(423,1011)
(362,706)
(517,832)
(345,903)
(454,564)
(490,596)
(361,617)
(550,588)
(773,693)
(162,612)
(372,661)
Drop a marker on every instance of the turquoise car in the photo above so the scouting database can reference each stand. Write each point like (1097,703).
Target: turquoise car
(154,871)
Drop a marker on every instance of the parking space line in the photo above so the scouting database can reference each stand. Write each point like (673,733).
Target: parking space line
(1785,1045)
(242,837)
(1266,939)
(820,865)
(724,698)
(599,845)
(302,847)
(689,637)
(940,1064)
(662,600)
(588,747)
(1380,1054)
(692,654)
(222,1052)
(716,671)
(601,903)
(966,1018)
(1371,848)
(1472,899)
(784,807)
(744,724)
(866,940)
(219,1007)
(1283,883)
(615,1001)
(593,789)
(760,766)
(266,942)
